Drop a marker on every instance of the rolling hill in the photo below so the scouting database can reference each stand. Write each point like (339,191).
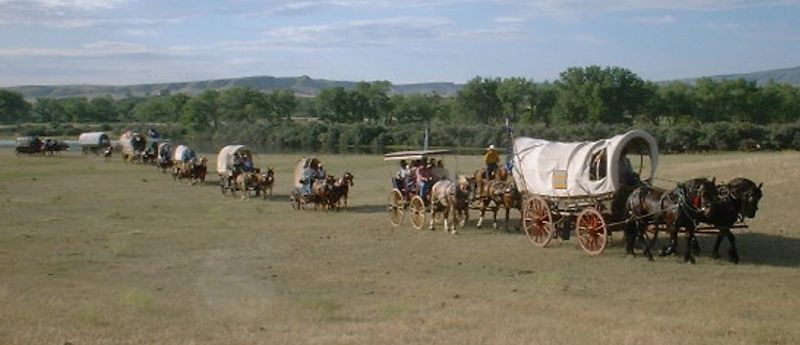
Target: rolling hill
(306,86)
(303,86)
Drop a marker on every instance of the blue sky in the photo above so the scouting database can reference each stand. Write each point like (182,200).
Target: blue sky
(403,41)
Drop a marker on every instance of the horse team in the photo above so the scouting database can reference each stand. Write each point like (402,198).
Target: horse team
(690,203)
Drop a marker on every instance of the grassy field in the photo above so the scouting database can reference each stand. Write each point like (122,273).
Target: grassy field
(95,252)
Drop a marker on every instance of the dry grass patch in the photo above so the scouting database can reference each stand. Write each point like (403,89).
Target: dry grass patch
(99,252)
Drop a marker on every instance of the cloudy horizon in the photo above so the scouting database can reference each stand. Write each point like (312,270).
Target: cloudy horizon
(120,42)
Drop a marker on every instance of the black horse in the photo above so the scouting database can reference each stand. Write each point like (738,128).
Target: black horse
(737,200)
(678,208)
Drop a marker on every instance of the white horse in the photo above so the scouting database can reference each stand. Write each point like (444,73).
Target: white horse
(452,199)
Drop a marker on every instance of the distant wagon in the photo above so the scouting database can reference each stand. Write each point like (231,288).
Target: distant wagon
(29,145)
(302,194)
(231,161)
(183,154)
(94,142)
(133,145)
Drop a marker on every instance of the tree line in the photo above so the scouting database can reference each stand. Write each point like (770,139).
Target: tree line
(581,95)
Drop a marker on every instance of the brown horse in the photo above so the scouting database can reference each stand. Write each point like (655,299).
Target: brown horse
(244,182)
(678,208)
(198,170)
(499,194)
(340,190)
(264,182)
(737,200)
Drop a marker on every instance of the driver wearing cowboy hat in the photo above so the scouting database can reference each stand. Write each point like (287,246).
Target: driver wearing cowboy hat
(491,158)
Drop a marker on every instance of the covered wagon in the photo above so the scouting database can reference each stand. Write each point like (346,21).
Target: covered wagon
(231,161)
(133,145)
(28,145)
(306,172)
(164,156)
(94,142)
(183,154)
(580,183)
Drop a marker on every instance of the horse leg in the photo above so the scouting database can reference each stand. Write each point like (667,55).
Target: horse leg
(483,212)
(494,214)
(688,257)
(433,213)
(672,247)
(508,212)
(732,253)
(717,242)
(631,232)
(646,244)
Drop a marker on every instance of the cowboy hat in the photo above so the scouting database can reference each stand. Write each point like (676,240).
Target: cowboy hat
(491,147)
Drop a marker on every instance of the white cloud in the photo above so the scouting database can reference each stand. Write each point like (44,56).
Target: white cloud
(717,26)
(571,9)
(589,39)
(510,20)
(654,21)
(370,32)
(92,49)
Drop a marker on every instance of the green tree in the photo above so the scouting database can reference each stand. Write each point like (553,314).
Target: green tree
(334,105)
(13,107)
(158,109)
(48,110)
(594,94)
(513,93)
(283,103)
(415,108)
(202,112)
(101,109)
(478,100)
(371,101)
(243,104)
(76,109)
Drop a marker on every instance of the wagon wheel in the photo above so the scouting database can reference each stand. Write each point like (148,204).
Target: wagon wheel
(536,221)
(591,230)
(396,207)
(417,212)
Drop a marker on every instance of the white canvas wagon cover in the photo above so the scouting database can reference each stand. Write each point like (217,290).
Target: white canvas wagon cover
(576,169)
(301,165)
(225,156)
(132,142)
(183,153)
(92,139)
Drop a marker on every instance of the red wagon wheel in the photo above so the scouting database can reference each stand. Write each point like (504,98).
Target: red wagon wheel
(591,230)
(417,207)
(396,206)
(536,221)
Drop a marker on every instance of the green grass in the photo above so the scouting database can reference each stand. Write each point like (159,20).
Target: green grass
(96,252)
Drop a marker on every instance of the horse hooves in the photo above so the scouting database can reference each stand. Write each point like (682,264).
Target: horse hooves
(734,257)
(667,251)
(689,260)
(715,255)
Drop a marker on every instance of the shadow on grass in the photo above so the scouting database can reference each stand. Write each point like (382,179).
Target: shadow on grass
(365,209)
(754,248)
(278,198)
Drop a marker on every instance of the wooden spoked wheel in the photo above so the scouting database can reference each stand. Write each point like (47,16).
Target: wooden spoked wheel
(591,230)
(536,221)
(417,207)
(396,207)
